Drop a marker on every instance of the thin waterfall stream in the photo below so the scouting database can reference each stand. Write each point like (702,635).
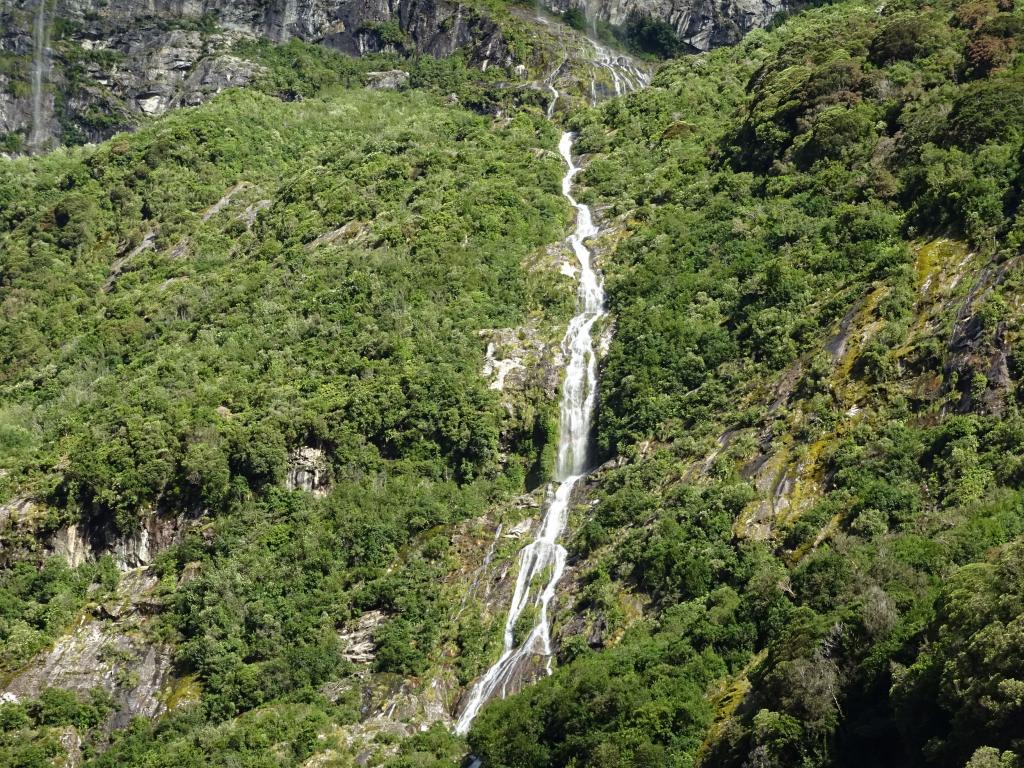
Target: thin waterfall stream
(542,561)
(39,57)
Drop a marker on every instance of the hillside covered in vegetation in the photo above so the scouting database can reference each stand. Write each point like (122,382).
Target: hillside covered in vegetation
(814,376)
(250,468)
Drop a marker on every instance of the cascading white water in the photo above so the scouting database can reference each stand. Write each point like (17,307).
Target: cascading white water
(544,558)
(553,102)
(39,53)
(626,75)
(542,561)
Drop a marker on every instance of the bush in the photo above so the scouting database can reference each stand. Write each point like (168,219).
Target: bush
(907,39)
(987,110)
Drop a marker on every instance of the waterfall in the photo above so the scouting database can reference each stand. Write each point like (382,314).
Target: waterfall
(542,561)
(39,54)
(626,75)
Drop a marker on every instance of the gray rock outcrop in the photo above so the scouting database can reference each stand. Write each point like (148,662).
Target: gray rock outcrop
(308,470)
(78,543)
(702,24)
(108,651)
(80,70)
(389,80)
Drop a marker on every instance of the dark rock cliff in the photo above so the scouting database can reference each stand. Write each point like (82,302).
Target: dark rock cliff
(79,70)
(74,71)
(701,24)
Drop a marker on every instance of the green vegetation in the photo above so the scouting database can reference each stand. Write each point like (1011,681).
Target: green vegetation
(37,604)
(810,552)
(163,385)
(300,70)
(30,734)
(777,193)
(334,299)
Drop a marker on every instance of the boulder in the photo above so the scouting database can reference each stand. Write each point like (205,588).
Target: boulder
(388,80)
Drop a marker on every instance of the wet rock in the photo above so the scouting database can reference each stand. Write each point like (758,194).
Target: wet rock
(251,212)
(20,519)
(980,355)
(13,510)
(190,572)
(71,744)
(358,638)
(498,370)
(520,529)
(391,708)
(836,345)
(351,230)
(526,501)
(516,359)
(106,652)
(225,200)
(308,470)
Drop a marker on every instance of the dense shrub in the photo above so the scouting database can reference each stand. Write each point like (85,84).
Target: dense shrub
(987,110)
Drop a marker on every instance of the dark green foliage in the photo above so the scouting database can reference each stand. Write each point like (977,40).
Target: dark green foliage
(966,683)
(908,38)
(574,18)
(365,393)
(796,178)
(988,110)
(651,36)
(29,732)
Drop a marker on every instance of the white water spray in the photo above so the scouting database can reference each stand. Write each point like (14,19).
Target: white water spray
(39,56)
(625,74)
(542,561)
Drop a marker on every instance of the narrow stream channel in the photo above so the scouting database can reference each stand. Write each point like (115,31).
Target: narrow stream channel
(542,561)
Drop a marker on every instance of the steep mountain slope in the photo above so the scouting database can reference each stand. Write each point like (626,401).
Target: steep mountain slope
(279,406)
(812,392)
(679,24)
(221,308)
(74,72)
(78,71)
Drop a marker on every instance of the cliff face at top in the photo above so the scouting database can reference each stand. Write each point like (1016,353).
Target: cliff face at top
(701,24)
(74,71)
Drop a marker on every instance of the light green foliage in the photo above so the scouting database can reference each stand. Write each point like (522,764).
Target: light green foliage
(166,354)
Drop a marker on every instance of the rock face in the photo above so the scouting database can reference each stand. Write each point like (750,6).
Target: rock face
(109,651)
(520,358)
(78,543)
(111,646)
(391,80)
(703,24)
(80,70)
(308,470)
